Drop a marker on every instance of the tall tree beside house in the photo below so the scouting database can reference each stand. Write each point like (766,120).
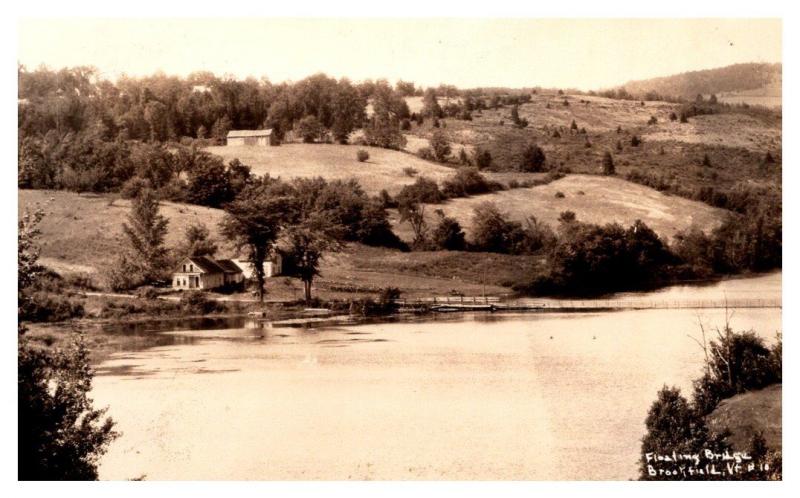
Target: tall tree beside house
(146,229)
(254,220)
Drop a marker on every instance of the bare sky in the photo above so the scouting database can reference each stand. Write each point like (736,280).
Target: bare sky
(584,54)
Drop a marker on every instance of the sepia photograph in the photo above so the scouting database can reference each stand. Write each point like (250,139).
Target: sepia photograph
(399,249)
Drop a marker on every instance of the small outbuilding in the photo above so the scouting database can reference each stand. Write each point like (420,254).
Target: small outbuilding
(251,137)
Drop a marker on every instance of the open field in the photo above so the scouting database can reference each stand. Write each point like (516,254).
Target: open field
(604,200)
(383,169)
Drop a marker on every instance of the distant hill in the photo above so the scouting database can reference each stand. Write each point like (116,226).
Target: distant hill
(735,78)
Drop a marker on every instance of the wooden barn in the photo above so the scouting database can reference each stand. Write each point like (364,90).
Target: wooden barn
(201,272)
(250,137)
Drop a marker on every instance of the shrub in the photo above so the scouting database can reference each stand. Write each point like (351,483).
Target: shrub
(147,292)
(423,191)
(425,153)
(652,121)
(133,187)
(738,362)
(468,181)
(43,306)
(483,159)
(635,141)
(196,302)
(533,159)
(362,155)
(608,164)
(560,195)
(409,171)
(448,234)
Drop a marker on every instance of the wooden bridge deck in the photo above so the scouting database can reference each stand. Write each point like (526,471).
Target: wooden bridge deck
(496,303)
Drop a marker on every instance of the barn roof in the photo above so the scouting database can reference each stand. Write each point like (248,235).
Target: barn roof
(249,133)
(228,266)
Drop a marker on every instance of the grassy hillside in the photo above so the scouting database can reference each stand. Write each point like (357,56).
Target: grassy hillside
(749,413)
(82,234)
(596,199)
(736,141)
(736,77)
(383,169)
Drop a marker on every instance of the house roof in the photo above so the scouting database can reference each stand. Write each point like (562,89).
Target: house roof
(208,265)
(228,266)
(249,133)
(204,263)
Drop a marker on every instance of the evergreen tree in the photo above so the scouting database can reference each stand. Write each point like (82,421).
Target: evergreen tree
(146,230)
(608,164)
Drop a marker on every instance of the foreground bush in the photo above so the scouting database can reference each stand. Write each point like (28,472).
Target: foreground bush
(61,435)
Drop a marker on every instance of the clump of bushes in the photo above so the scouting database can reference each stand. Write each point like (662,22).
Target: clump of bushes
(468,181)
(196,302)
(385,304)
(422,191)
(42,306)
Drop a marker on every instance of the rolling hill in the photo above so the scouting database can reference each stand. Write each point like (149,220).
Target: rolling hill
(594,199)
(749,77)
(383,170)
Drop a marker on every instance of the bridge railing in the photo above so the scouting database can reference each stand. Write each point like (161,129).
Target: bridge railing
(529,303)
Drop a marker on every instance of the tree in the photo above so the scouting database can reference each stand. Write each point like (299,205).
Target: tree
(348,111)
(483,158)
(60,435)
(440,146)
(254,220)
(221,128)
(573,126)
(423,190)
(197,241)
(309,128)
(673,426)
(307,242)
(146,230)
(491,230)
(430,104)
(209,182)
(414,214)
(608,163)
(533,159)
(448,234)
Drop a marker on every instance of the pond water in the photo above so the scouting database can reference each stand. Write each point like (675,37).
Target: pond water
(475,396)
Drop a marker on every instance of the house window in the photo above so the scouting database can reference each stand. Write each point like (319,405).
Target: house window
(184,268)
(191,267)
